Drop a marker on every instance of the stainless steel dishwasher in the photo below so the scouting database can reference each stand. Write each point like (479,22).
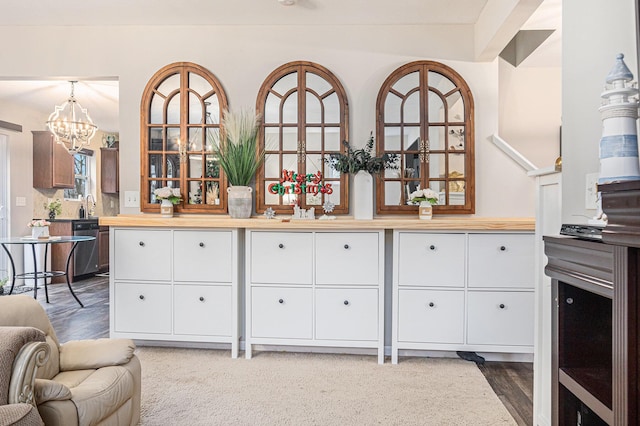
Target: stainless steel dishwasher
(85,257)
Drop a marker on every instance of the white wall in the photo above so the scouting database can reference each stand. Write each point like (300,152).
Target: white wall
(241,57)
(594,32)
(530,111)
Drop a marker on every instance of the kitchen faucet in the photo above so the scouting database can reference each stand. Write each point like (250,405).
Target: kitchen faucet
(90,209)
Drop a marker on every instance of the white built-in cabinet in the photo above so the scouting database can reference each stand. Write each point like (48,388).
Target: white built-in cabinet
(175,285)
(463,291)
(315,288)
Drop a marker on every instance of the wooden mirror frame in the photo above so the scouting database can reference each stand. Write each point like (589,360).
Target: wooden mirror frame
(183,69)
(301,67)
(424,68)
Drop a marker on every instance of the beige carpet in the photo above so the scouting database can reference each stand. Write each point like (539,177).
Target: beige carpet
(207,387)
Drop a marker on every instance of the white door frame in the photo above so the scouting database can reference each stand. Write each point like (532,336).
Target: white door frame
(4,199)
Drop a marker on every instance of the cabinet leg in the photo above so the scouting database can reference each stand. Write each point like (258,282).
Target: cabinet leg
(381,355)
(247,350)
(234,349)
(394,355)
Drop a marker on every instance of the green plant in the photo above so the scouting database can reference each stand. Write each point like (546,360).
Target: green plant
(361,159)
(236,147)
(54,206)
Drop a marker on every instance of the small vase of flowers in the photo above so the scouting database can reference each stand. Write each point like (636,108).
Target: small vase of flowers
(425,199)
(54,208)
(39,228)
(168,198)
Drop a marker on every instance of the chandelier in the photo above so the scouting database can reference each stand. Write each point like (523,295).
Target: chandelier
(71,124)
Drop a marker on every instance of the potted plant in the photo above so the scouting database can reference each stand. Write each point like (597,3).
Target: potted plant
(363,164)
(168,198)
(39,228)
(425,198)
(237,151)
(54,208)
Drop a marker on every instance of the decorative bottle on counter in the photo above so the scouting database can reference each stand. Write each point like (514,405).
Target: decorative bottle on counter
(81,214)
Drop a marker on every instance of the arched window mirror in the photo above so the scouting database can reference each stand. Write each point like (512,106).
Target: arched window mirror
(181,110)
(304,114)
(425,115)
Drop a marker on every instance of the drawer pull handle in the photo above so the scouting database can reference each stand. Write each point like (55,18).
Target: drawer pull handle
(432,247)
(503,248)
(141,297)
(431,304)
(201,299)
(141,243)
(280,245)
(280,301)
(346,302)
(201,244)
(569,300)
(346,246)
(502,306)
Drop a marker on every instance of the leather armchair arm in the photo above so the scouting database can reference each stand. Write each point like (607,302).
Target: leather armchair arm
(49,390)
(97,353)
(25,366)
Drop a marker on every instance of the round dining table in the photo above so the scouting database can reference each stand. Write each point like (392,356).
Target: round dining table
(45,274)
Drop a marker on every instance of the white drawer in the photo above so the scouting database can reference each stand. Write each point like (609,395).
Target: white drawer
(500,318)
(281,312)
(142,255)
(435,260)
(434,316)
(347,258)
(202,310)
(281,257)
(142,308)
(347,314)
(501,260)
(203,256)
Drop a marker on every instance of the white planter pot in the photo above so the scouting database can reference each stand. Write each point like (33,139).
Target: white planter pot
(239,201)
(40,232)
(166,208)
(363,196)
(425,210)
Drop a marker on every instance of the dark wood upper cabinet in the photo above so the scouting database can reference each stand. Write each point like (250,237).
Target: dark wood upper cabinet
(181,111)
(304,112)
(52,163)
(109,171)
(425,116)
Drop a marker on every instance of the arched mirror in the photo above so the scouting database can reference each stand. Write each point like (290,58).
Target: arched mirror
(425,116)
(304,119)
(181,110)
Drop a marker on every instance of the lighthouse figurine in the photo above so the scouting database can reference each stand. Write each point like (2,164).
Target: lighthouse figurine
(619,112)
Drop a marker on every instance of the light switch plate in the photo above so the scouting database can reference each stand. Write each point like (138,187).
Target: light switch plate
(131,198)
(21,201)
(591,194)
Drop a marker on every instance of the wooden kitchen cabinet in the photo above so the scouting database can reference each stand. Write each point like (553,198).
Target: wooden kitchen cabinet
(103,249)
(52,163)
(60,252)
(109,171)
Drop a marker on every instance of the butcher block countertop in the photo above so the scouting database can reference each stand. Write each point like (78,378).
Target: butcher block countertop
(342,222)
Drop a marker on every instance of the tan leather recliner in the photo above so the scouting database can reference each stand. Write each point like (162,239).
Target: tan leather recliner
(22,351)
(84,382)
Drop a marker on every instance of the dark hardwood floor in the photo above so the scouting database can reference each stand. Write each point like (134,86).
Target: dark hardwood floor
(511,381)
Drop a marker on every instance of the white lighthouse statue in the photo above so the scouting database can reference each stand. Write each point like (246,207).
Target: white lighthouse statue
(619,112)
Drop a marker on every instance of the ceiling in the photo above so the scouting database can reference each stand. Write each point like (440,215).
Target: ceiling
(100,95)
